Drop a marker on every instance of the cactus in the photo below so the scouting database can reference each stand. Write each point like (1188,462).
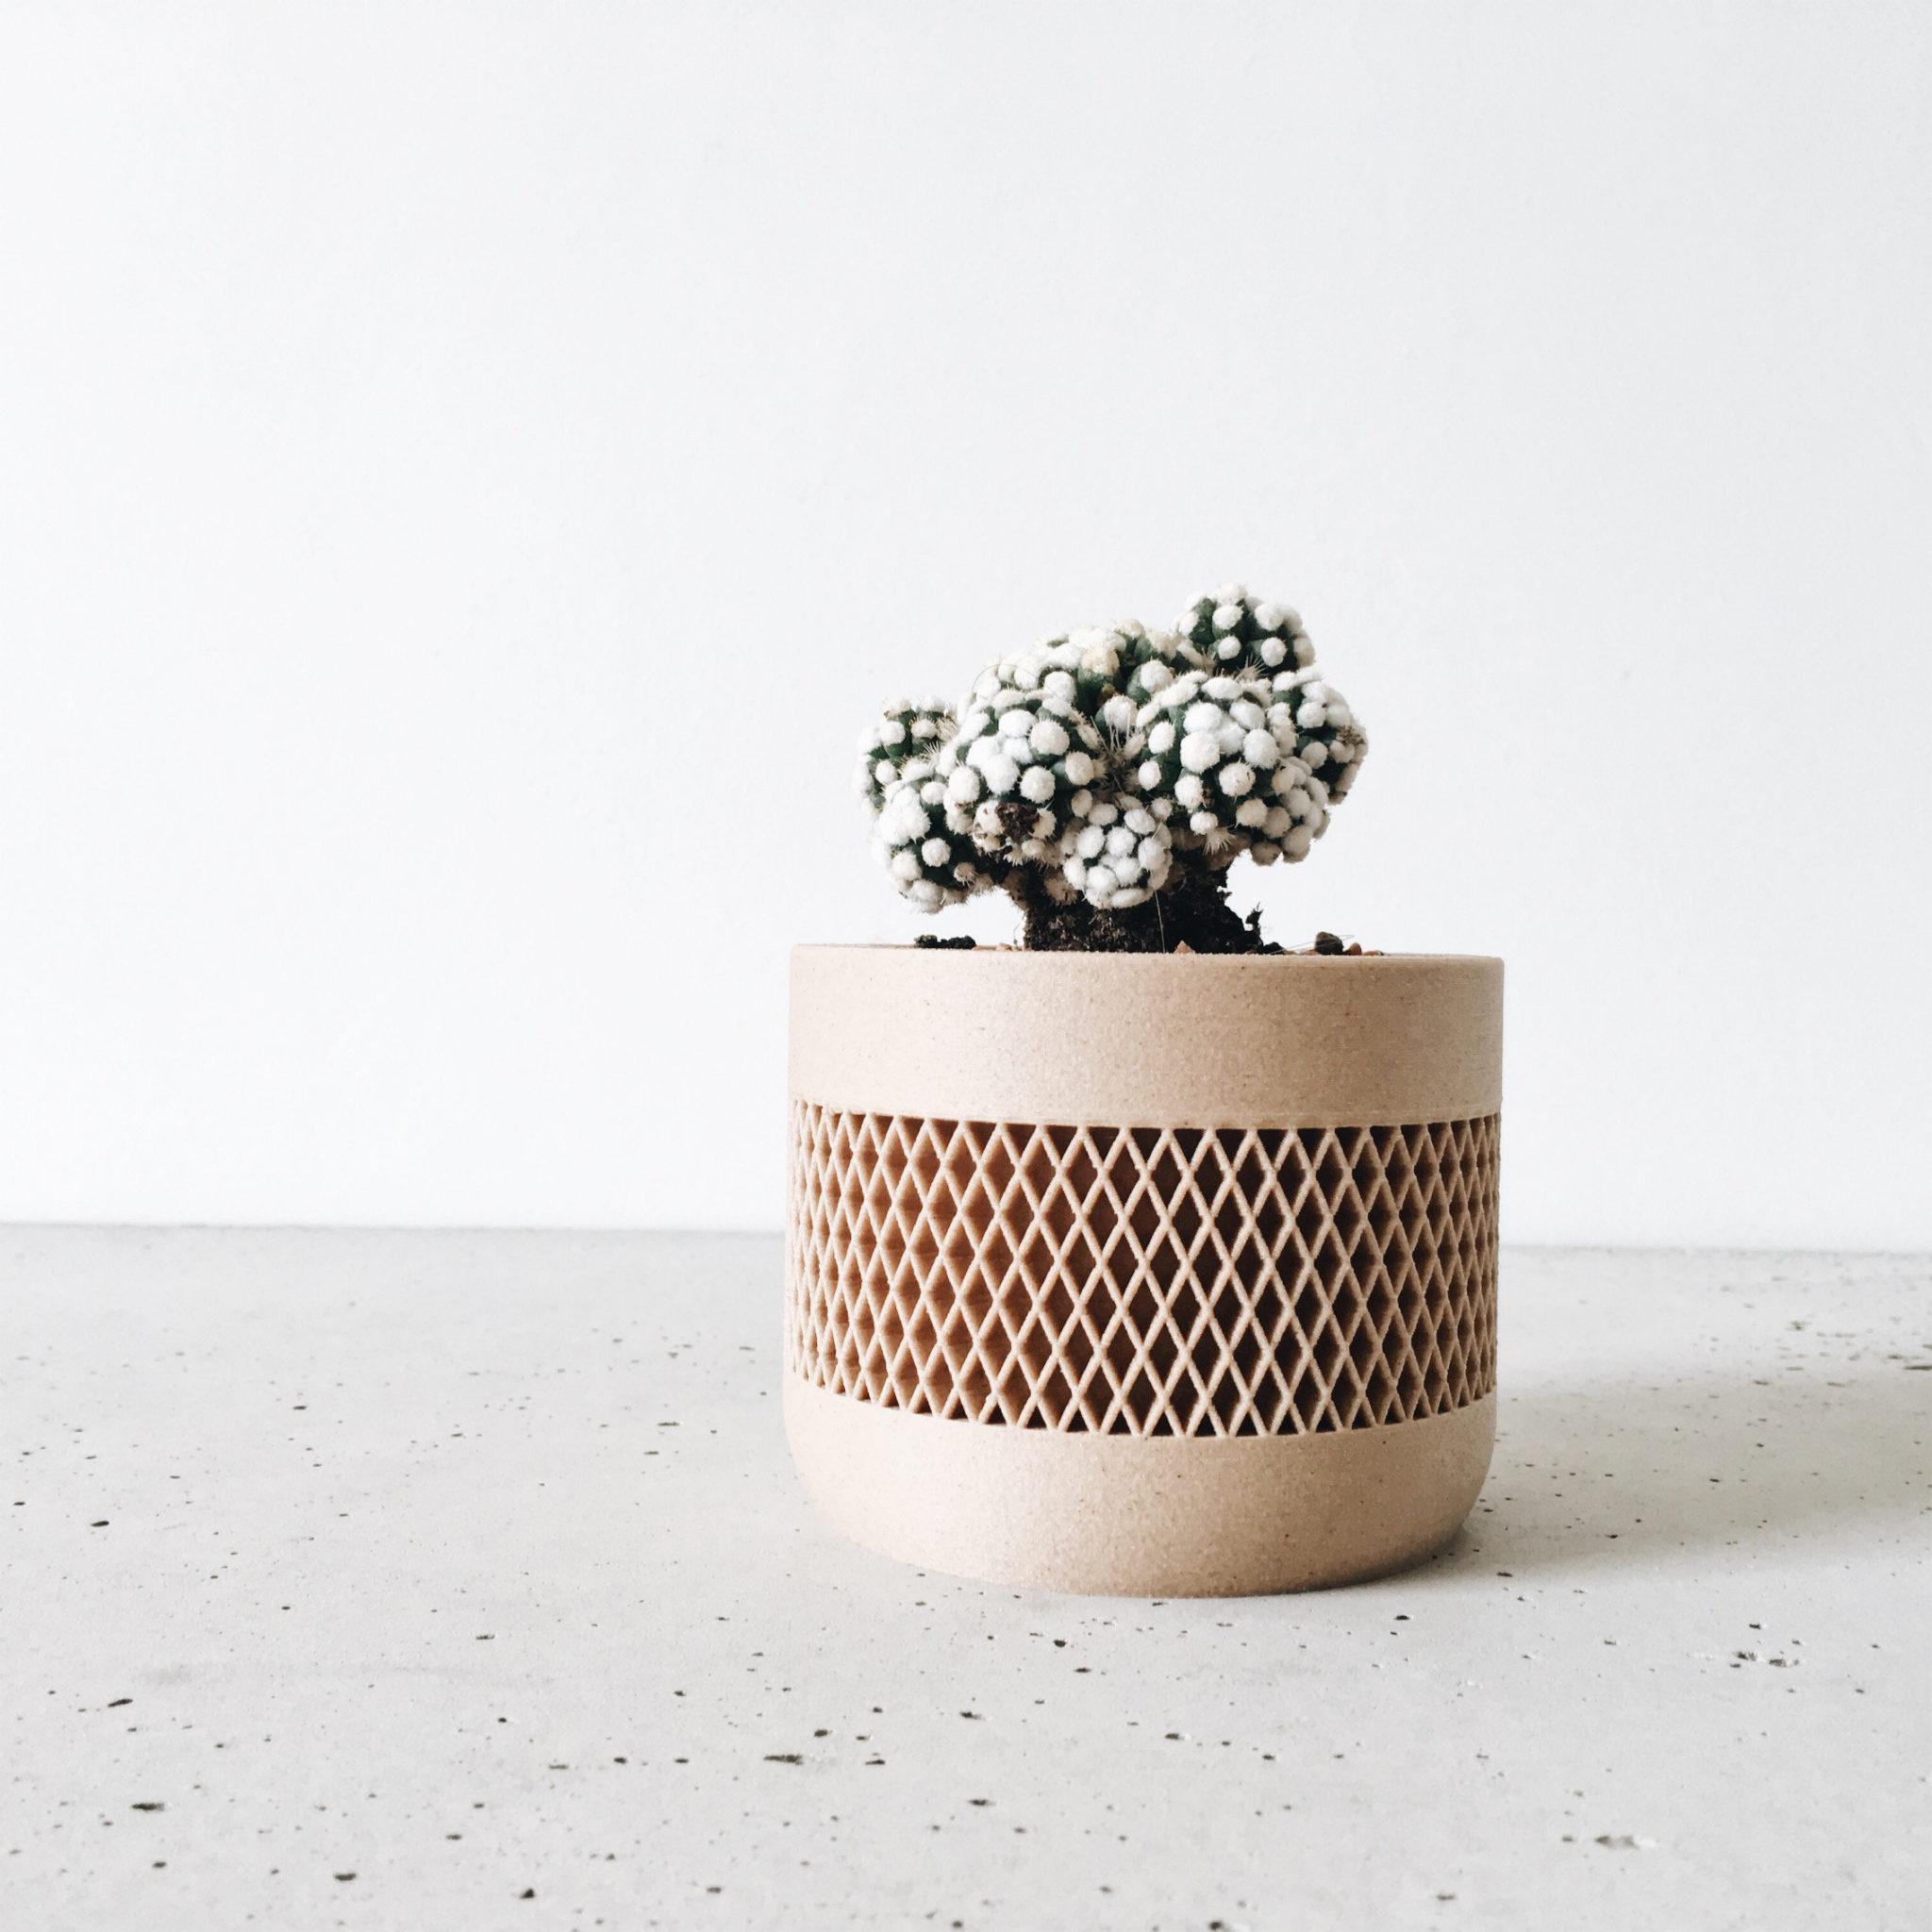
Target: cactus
(1107,779)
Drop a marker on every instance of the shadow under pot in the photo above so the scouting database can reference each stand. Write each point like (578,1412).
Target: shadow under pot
(1142,1274)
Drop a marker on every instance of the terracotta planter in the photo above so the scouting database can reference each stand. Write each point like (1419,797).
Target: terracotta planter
(1143,1274)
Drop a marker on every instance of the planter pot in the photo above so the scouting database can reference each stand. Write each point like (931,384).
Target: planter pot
(1142,1274)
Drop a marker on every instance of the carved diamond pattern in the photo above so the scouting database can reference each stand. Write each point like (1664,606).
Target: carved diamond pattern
(1144,1280)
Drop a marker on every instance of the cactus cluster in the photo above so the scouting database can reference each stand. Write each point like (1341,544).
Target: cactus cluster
(1106,772)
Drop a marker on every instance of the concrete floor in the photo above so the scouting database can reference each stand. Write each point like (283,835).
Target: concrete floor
(459,1580)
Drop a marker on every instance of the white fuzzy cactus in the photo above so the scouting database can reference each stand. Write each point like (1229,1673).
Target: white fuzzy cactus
(1120,858)
(931,862)
(902,742)
(1233,633)
(1024,768)
(1219,768)
(1101,766)
(1083,667)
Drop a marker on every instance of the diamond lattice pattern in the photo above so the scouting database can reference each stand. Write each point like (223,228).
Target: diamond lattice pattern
(1144,1280)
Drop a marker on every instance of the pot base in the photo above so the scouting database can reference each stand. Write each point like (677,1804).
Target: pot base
(1139,1515)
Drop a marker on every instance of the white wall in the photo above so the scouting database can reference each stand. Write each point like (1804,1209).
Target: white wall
(469,472)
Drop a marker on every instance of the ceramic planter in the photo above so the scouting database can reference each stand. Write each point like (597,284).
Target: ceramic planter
(1142,1274)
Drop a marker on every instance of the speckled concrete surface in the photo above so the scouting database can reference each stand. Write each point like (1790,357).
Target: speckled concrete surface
(458,1580)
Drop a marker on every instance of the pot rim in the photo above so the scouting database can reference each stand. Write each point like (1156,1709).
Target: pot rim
(1325,961)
